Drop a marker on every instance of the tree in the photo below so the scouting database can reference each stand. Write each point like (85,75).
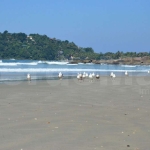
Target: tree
(5,32)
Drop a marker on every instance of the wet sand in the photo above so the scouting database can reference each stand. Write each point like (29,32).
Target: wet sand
(70,115)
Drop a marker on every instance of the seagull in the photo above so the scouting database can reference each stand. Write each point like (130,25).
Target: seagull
(97,76)
(114,76)
(91,77)
(93,74)
(86,74)
(111,75)
(60,75)
(28,77)
(148,71)
(79,76)
(126,73)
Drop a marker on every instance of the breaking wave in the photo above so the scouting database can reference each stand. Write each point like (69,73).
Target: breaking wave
(63,70)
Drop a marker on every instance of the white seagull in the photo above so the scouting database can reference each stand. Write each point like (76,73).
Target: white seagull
(111,75)
(86,74)
(114,76)
(28,77)
(60,75)
(93,74)
(79,76)
(126,73)
(91,77)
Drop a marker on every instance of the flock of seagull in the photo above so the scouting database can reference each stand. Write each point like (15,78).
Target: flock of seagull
(82,76)
(91,76)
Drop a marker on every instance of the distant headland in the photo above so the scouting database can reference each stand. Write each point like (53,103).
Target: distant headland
(42,47)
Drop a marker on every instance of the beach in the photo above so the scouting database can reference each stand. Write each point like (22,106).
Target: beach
(69,114)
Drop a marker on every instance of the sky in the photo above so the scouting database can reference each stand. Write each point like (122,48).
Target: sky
(104,25)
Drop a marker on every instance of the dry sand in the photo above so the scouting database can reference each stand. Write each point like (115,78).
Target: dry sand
(72,115)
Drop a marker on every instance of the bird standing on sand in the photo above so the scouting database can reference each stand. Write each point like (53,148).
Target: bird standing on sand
(86,74)
(91,77)
(114,76)
(60,75)
(79,76)
(126,73)
(93,74)
(28,77)
(111,75)
(97,76)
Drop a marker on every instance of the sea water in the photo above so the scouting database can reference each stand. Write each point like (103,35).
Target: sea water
(13,70)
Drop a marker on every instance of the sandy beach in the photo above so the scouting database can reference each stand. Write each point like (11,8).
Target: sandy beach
(70,115)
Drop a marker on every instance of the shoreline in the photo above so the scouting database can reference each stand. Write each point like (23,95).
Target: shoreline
(125,80)
(69,77)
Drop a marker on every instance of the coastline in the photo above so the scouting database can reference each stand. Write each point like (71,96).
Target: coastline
(74,77)
(145,60)
(67,114)
(17,70)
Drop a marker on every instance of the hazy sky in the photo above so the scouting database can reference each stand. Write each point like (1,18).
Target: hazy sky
(104,25)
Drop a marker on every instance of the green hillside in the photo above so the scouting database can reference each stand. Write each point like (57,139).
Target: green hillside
(40,47)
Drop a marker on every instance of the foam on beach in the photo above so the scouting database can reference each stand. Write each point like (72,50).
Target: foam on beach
(44,69)
(63,70)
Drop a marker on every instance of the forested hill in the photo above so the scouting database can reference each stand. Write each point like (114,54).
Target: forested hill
(40,47)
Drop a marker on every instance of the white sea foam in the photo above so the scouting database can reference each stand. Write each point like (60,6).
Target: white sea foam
(89,63)
(127,66)
(41,62)
(8,64)
(72,64)
(56,63)
(63,70)
(32,63)
(52,62)
(15,64)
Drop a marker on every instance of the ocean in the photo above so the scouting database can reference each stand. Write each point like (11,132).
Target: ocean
(15,70)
